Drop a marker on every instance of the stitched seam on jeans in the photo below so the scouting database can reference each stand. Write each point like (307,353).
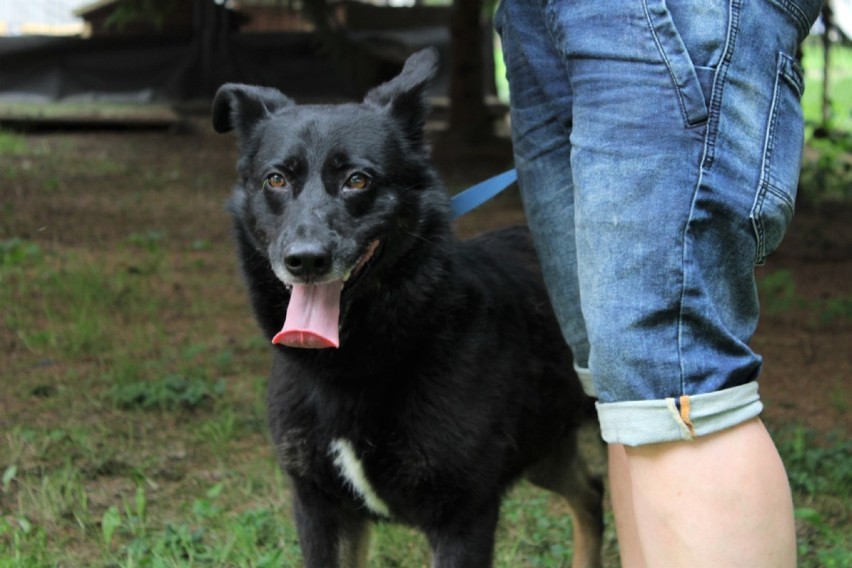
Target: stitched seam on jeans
(757,225)
(712,123)
(779,193)
(683,110)
(665,59)
(791,71)
(796,13)
(763,183)
(719,84)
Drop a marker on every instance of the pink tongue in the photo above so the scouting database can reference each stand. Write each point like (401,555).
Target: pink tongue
(312,317)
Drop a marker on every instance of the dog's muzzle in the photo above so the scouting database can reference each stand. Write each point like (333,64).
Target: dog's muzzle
(313,313)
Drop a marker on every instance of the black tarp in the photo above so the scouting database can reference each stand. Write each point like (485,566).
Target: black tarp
(162,68)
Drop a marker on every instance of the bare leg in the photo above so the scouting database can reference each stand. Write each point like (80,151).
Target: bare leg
(621,493)
(723,500)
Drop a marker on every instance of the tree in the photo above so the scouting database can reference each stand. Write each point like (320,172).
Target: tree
(469,117)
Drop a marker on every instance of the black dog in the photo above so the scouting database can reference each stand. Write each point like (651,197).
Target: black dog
(415,377)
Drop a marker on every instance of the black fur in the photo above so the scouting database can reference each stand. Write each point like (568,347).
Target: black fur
(451,379)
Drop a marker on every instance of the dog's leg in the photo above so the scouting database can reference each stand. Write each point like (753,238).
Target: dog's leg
(328,536)
(353,547)
(564,471)
(468,544)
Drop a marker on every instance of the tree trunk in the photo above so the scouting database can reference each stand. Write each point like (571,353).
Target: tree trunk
(828,22)
(469,118)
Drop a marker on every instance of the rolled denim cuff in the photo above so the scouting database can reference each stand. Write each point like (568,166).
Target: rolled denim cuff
(634,423)
(585,377)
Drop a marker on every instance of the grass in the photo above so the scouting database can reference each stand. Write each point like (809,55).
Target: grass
(827,164)
(839,85)
(820,472)
(11,144)
(779,295)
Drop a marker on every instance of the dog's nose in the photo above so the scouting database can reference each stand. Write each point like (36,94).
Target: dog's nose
(307,260)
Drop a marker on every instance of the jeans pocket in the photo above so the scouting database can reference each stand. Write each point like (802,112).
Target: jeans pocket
(782,155)
(682,69)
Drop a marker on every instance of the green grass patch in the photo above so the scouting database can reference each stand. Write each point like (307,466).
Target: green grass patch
(839,84)
(820,471)
(11,144)
(169,393)
(17,253)
(68,306)
(826,174)
(244,519)
(817,464)
(827,164)
(779,295)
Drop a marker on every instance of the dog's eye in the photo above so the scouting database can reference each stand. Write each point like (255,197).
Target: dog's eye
(275,181)
(358,180)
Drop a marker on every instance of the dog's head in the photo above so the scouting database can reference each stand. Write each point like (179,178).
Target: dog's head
(329,192)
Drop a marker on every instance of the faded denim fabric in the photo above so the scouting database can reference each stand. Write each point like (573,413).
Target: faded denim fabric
(658,146)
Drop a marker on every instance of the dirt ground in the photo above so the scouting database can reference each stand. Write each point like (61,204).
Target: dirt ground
(93,188)
(807,353)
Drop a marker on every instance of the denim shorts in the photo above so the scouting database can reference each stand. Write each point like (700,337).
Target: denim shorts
(658,145)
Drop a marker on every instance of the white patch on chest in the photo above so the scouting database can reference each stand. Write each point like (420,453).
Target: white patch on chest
(352,470)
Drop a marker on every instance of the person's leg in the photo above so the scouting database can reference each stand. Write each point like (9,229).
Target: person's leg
(755,518)
(674,200)
(621,494)
(685,142)
(731,508)
(541,107)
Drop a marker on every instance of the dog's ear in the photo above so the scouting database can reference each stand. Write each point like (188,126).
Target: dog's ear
(241,107)
(404,95)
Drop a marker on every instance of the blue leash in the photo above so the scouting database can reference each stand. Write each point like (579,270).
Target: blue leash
(476,195)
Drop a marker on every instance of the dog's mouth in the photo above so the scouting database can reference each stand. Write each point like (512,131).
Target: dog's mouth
(313,314)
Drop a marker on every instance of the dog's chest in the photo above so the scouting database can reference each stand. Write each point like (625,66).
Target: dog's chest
(351,469)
